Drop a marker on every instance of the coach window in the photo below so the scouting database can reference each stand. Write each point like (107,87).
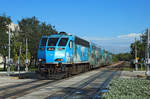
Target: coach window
(70,44)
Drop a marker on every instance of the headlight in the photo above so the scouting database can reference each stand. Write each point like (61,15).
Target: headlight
(51,49)
(59,59)
(42,48)
(61,48)
(67,54)
(40,60)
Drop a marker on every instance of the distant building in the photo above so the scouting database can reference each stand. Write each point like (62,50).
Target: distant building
(14,27)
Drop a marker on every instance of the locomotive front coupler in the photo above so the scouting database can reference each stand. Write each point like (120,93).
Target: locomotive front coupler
(59,64)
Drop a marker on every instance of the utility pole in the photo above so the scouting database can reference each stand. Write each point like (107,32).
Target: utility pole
(8,70)
(148,50)
(136,60)
(148,60)
(19,61)
(26,61)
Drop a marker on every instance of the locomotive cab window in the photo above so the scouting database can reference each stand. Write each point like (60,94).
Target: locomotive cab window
(63,42)
(52,41)
(43,41)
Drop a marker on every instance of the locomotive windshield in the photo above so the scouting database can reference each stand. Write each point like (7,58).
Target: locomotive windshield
(52,41)
(63,42)
(43,42)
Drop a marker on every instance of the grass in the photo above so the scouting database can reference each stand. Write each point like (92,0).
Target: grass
(14,68)
(127,66)
(132,69)
(32,68)
(1,69)
(128,89)
(127,69)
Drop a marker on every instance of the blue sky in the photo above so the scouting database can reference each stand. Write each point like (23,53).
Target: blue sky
(113,24)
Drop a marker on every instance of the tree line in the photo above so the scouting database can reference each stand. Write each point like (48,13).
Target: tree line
(140,46)
(29,28)
(121,57)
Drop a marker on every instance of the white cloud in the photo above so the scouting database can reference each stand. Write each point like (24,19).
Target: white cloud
(116,44)
(128,36)
(97,38)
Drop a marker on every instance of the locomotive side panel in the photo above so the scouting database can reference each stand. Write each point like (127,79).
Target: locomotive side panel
(81,51)
(81,54)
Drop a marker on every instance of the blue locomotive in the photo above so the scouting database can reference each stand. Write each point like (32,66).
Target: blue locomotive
(65,55)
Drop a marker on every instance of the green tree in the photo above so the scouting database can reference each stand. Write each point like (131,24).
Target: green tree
(122,56)
(114,58)
(47,29)
(140,47)
(33,29)
(30,29)
(16,49)
(4,22)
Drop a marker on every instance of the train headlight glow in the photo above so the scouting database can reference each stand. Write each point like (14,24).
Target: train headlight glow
(67,54)
(42,48)
(58,59)
(61,48)
(51,49)
(40,60)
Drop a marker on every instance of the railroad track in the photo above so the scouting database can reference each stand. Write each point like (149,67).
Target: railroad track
(21,89)
(77,89)
(84,89)
(14,91)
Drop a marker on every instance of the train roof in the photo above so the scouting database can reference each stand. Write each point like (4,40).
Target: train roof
(56,35)
(79,40)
